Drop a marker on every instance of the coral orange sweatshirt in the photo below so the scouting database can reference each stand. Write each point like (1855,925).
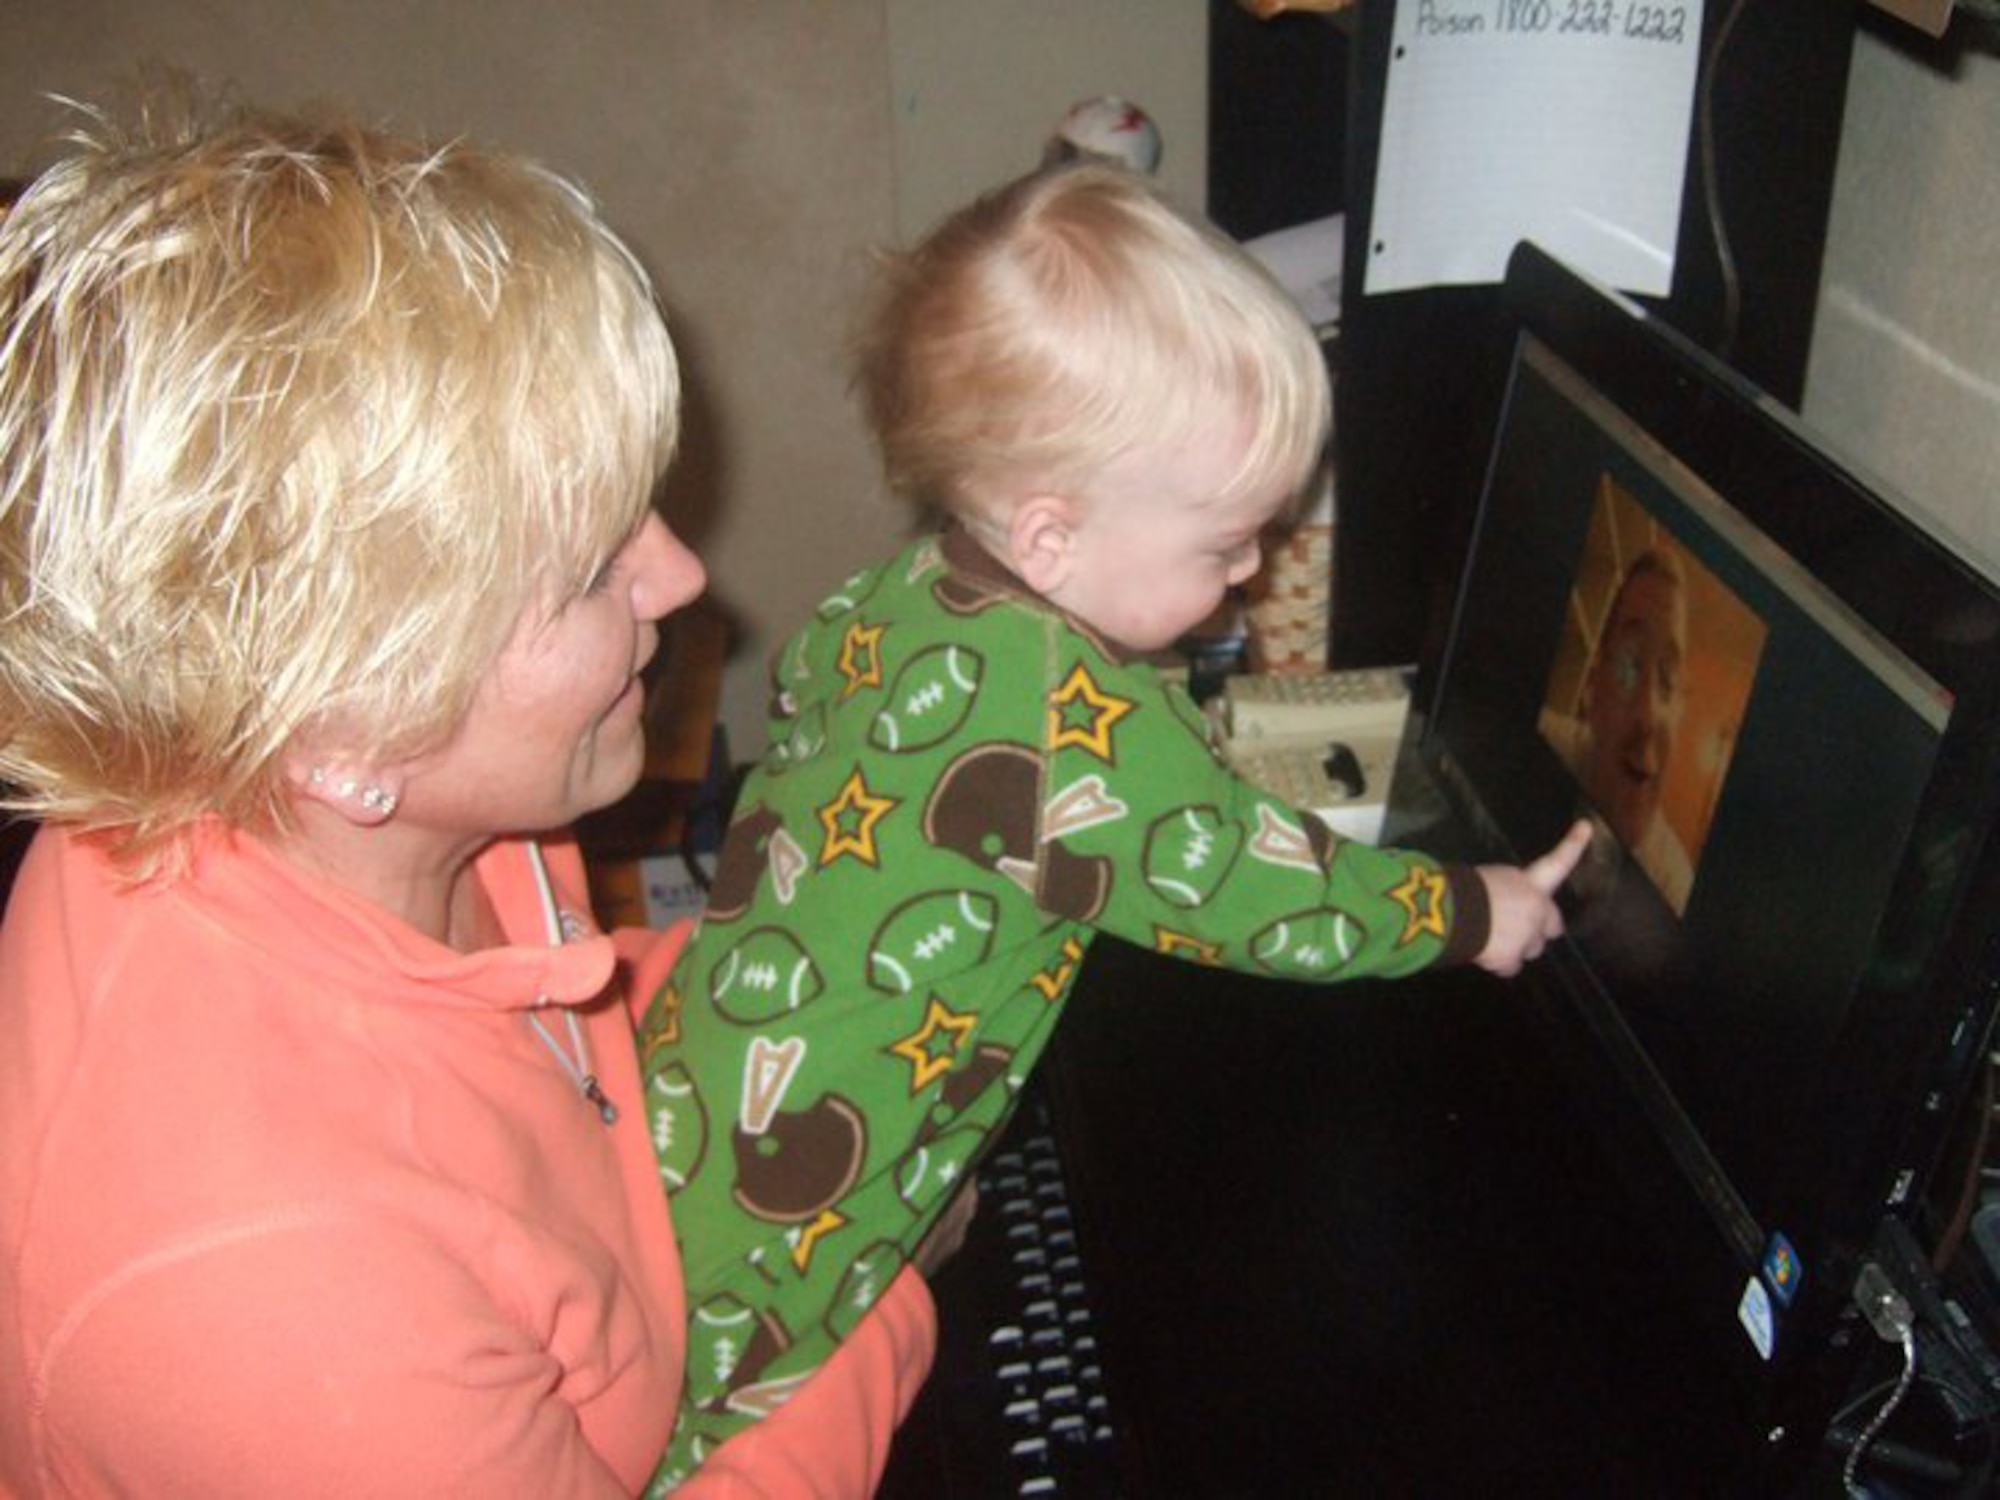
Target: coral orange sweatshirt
(296,1200)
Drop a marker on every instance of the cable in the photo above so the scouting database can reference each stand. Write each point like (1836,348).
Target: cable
(1888,1313)
(1711,191)
(1874,1428)
(1952,1236)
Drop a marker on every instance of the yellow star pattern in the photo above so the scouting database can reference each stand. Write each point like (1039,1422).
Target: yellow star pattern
(1180,945)
(1083,714)
(662,1028)
(1422,897)
(850,821)
(930,1048)
(1053,980)
(811,1234)
(861,658)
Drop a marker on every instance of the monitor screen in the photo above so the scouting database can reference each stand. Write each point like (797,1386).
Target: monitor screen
(1669,625)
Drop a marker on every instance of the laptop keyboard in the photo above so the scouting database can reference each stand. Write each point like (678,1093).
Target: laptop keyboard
(1016,1405)
(1046,1359)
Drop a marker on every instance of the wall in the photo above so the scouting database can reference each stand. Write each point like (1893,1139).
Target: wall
(976,87)
(751,153)
(744,149)
(1905,367)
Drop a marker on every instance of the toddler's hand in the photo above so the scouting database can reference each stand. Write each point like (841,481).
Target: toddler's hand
(1524,912)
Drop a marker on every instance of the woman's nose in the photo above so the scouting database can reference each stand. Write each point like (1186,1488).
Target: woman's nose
(666,574)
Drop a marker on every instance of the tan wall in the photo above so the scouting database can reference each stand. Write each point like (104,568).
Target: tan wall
(748,148)
(1905,370)
(976,87)
(753,151)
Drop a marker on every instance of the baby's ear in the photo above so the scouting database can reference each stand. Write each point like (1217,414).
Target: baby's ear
(1041,541)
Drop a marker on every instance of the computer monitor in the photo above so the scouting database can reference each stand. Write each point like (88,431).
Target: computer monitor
(1773,692)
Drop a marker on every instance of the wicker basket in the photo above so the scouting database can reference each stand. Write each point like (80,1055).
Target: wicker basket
(1290,604)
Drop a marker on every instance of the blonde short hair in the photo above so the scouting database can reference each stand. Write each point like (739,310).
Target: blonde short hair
(1072,317)
(296,421)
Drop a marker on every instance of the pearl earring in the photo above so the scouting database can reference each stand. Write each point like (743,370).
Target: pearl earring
(374,799)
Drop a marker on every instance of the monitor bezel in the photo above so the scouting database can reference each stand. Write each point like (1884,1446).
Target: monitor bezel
(1908,1052)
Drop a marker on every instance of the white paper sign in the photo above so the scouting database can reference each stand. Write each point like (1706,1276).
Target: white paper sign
(1560,121)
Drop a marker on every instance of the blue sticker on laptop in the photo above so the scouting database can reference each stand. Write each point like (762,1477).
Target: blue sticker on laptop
(1782,1271)
(1753,1311)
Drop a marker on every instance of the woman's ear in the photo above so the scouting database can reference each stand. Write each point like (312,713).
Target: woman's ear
(1041,541)
(364,795)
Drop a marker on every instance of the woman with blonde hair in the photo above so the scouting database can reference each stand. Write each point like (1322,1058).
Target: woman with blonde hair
(327,575)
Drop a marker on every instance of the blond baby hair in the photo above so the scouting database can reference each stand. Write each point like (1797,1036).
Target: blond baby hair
(1068,318)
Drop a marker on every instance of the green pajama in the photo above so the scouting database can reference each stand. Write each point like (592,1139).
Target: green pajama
(966,787)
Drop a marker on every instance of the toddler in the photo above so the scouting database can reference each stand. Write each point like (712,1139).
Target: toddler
(975,769)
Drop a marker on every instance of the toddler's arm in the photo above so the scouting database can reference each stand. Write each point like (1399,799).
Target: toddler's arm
(1522,899)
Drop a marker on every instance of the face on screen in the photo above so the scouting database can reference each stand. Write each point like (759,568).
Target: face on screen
(1647,687)
(1633,707)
